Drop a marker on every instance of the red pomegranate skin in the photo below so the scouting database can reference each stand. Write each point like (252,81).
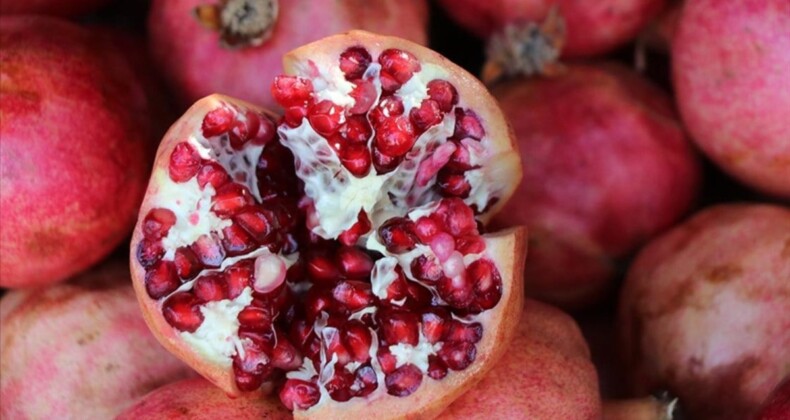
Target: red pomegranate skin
(79,350)
(592,28)
(76,147)
(703,311)
(606,166)
(777,405)
(196,65)
(546,374)
(51,7)
(199,399)
(731,72)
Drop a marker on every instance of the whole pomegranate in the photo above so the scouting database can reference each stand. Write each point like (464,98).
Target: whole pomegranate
(199,399)
(731,73)
(75,149)
(79,350)
(337,255)
(51,7)
(703,312)
(235,47)
(592,28)
(545,374)
(606,166)
(777,405)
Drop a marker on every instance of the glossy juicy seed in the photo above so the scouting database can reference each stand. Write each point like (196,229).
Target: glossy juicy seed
(470,244)
(385,163)
(388,107)
(365,381)
(266,131)
(453,184)
(149,252)
(467,125)
(318,301)
(432,326)
(243,130)
(324,117)
(456,217)
(339,386)
(426,269)
(418,296)
(292,91)
(386,360)
(231,199)
(157,223)
(299,394)
(426,228)
(350,236)
(161,280)
(487,284)
(437,369)
(455,330)
(403,381)
(426,115)
(400,327)
(395,136)
(259,222)
(217,121)
(356,130)
(208,250)
(285,355)
(212,173)
(182,312)
(365,95)
(457,355)
(444,93)
(356,158)
(354,61)
(184,162)
(398,289)
(186,263)
(398,64)
(321,268)
(460,160)
(357,339)
(238,276)
(251,367)
(398,235)
(354,263)
(256,318)
(352,294)
(236,241)
(211,287)
(456,291)
(294,115)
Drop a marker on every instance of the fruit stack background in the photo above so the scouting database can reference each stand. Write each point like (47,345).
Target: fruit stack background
(656,191)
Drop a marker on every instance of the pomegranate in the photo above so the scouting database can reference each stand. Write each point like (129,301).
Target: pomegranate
(199,399)
(703,312)
(777,405)
(51,7)
(606,166)
(80,348)
(75,149)
(235,47)
(546,374)
(731,73)
(337,255)
(592,28)
(647,408)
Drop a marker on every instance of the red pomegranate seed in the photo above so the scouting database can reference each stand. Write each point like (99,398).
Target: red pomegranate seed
(259,222)
(217,121)
(211,287)
(432,326)
(388,82)
(238,277)
(487,284)
(399,327)
(357,339)
(161,280)
(322,268)
(419,296)
(403,381)
(460,160)
(334,345)
(301,332)
(324,117)
(339,385)
(212,173)
(253,368)
(285,355)
(318,301)
(350,236)
(453,184)
(352,294)
(290,91)
(458,331)
(426,115)
(399,65)
(365,95)
(230,199)
(467,125)
(157,223)
(356,158)
(294,115)
(398,289)
(398,235)
(443,246)
(457,355)
(354,61)
(395,136)
(208,251)
(354,263)
(456,291)
(388,107)
(356,129)
(436,367)
(266,131)
(186,262)
(149,252)
(384,163)
(299,394)
(470,244)
(444,93)
(365,381)
(457,217)
(426,228)
(184,162)
(243,130)
(182,312)
(426,269)
(256,318)
(236,241)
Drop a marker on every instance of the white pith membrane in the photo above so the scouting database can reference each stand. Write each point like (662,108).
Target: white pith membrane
(336,197)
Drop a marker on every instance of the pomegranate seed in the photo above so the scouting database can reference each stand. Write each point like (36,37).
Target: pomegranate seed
(290,91)
(365,95)
(149,252)
(186,262)
(487,284)
(266,131)
(456,291)
(395,136)
(334,345)
(470,244)
(357,338)
(285,355)
(426,115)
(352,294)
(442,245)
(426,269)
(356,158)
(317,301)
(354,61)
(365,381)
(236,241)
(457,217)
(253,368)
(426,228)
(217,121)
(230,199)
(458,331)
(212,173)
(398,235)
(444,93)
(321,268)
(356,129)
(432,326)
(339,385)
(238,277)
(157,223)
(184,162)
(301,332)
(161,280)
(384,163)
(259,222)
(399,327)
(208,251)
(388,107)
(246,381)
(324,117)
(436,367)
(457,355)
(354,262)
(256,318)
(387,360)
(388,82)
(460,159)
(294,115)
(211,287)
(453,184)
(467,125)
(403,381)
(352,234)
(299,394)
(398,289)
(182,312)
(398,65)
(418,296)
(242,131)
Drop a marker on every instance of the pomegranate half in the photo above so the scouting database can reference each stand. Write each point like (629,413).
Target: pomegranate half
(337,255)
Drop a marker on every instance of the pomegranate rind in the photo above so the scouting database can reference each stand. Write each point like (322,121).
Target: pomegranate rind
(504,166)
(508,248)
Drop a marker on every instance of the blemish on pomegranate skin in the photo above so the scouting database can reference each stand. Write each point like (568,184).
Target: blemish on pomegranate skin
(723,273)
(194,219)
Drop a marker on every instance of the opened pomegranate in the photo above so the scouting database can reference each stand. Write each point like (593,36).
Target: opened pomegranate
(703,312)
(50,7)
(235,47)
(76,145)
(591,27)
(606,167)
(338,254)
(79,350)
(731,73)
(199,399)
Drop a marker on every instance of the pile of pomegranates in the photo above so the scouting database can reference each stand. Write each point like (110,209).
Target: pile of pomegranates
(380,209)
